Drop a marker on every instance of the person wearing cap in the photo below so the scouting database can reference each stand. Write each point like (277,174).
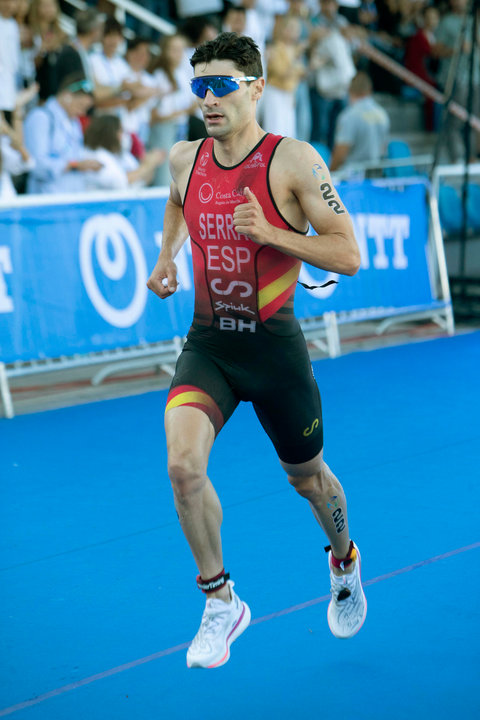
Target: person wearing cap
(54,138)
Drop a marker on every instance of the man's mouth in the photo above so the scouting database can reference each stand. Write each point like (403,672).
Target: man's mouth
(213,117)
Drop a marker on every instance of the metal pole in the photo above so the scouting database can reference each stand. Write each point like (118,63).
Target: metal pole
(468,150)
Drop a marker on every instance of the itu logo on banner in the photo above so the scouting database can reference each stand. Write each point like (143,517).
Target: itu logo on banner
(108,245)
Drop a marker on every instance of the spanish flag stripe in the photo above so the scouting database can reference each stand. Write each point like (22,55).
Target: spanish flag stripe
(280,267)
(272,307)
(277,287)
(183,388)
(191,396)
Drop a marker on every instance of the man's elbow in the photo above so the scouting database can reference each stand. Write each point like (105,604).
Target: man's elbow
(352,261)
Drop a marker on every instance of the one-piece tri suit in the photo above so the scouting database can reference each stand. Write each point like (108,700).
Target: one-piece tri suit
(245,342)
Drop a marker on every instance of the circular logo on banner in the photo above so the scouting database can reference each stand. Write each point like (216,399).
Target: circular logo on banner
(319,292)
(107,237)
(205,193)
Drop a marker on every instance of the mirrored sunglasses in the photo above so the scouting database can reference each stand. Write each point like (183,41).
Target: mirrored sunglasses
(219,85)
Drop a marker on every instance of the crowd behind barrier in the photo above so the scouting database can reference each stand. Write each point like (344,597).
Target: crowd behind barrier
(320,84)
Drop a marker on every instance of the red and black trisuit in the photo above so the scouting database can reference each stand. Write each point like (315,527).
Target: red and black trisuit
(245,342)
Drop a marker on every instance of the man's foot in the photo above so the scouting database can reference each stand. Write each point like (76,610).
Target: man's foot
(221,624)
(348,607)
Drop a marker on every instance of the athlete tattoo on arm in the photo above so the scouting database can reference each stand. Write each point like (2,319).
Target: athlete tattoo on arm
(327,190)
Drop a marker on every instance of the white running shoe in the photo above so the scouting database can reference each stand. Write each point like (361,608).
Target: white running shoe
(221,624)
(348,607)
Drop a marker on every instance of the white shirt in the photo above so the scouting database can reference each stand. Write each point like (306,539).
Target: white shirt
(138,121)
(112,176)
(110,72)
(10,57)
(173,100)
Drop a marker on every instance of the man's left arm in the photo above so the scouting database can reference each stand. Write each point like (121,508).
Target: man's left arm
(334,247)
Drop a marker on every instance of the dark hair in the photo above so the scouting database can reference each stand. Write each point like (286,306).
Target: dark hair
(103,133)
(136,41)
(194,27)
(88,20)
(361,84)
(240,49)
(112,26)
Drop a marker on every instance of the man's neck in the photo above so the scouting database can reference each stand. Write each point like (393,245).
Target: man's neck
(232,150)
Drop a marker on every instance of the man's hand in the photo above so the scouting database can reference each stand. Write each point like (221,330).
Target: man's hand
(248,219)
(163,280)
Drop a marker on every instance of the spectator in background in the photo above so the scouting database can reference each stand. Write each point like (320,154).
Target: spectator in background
(54,139)
(169,118)
(420,53)
(14,157)
(74,57)
(120,169)
(254,27)
(28,50)
(362,128)
(333,69)
(267,11)
(303,114)
(284,72)
(197,31)
(143,88)
(110,70)
(447,35)
(235,20)
(48,39)
(10,56)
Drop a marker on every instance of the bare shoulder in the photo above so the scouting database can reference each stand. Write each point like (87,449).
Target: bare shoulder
(299,160)
(182,155)
(181,159)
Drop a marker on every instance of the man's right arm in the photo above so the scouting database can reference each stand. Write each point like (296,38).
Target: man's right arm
(163,280)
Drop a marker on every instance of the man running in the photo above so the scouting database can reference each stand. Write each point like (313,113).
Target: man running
(246,197)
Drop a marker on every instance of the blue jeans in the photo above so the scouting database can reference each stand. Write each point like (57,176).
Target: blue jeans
(324,117)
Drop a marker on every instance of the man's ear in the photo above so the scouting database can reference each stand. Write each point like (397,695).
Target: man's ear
(258,86)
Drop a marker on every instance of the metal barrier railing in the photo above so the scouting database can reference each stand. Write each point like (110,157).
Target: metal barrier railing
(136,11)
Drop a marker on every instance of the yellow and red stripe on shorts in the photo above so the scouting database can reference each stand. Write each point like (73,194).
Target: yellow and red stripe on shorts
(189,395)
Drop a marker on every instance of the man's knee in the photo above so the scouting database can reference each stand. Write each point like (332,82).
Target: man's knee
(305,486)
(314,484)
(186,472)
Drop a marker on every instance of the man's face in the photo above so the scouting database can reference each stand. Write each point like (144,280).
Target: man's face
(226,115)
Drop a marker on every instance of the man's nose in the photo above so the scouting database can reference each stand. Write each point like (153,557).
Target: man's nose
(210,98)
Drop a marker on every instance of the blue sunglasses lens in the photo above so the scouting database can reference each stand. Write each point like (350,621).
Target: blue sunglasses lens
(219,86)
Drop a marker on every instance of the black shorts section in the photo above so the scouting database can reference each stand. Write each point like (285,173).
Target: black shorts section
(197,368)
(273,373)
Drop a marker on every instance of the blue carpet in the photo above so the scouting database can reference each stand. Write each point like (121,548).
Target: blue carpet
(98,595)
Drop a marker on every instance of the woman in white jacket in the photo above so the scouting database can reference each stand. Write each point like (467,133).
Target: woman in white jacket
(120,169)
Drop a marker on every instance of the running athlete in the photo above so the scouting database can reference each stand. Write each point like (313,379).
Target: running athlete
(246,197)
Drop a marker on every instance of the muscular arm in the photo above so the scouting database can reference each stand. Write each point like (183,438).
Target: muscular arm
(175,230)
(310,187)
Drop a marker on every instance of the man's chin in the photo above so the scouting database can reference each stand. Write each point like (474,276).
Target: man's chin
(216,131)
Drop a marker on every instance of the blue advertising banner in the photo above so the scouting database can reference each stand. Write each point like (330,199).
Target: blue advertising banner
(73,275)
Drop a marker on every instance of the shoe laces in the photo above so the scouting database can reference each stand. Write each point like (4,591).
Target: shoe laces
(214,617)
